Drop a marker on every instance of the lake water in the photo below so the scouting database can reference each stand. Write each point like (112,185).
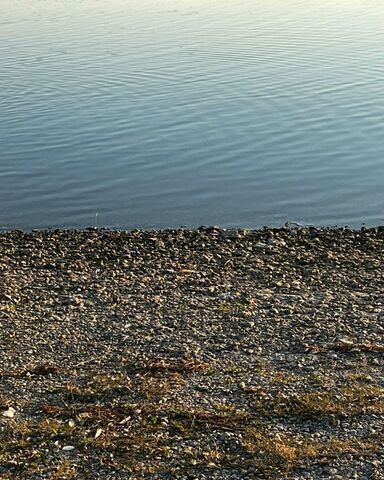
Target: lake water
(152,114)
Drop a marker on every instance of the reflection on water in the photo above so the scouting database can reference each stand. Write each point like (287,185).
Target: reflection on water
(153,114)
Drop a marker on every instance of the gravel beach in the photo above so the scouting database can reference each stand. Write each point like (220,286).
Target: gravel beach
(192,354)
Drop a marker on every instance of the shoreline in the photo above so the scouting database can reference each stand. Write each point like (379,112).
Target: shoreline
(192,353)
(287,226)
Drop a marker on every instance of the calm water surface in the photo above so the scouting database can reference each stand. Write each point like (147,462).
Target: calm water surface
(148,114)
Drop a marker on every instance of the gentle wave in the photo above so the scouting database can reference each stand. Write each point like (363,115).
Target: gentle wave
(237,113)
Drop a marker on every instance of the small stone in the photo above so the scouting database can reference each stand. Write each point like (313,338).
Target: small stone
(68,448)
(10,413)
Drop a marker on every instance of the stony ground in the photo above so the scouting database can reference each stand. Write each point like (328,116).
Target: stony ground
(192,354)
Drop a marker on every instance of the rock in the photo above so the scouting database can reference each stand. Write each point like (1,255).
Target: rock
(68,448)
(10,413)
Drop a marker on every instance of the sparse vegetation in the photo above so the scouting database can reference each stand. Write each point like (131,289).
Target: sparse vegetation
(284,452)
(141,437)
(354,399)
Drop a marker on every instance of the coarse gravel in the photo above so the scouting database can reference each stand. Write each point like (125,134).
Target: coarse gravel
(192,354)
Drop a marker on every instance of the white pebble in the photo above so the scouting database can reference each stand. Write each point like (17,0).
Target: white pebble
(68,448)
(10,413)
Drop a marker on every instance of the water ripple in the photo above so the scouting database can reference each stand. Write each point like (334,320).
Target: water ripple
(152,114)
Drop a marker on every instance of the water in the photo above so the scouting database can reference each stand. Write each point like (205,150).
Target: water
(151,114)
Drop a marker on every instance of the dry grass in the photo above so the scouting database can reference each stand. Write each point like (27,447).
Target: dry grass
(175,365)
(64,470)
(347,346)
(354,399)
(358,347)
(132,422)
(38,370)
(284,452)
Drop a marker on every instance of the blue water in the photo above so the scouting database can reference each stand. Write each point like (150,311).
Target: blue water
(151,114)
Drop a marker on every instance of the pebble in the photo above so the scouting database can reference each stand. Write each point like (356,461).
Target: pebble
(276,314)
(9,413)
(68,448)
